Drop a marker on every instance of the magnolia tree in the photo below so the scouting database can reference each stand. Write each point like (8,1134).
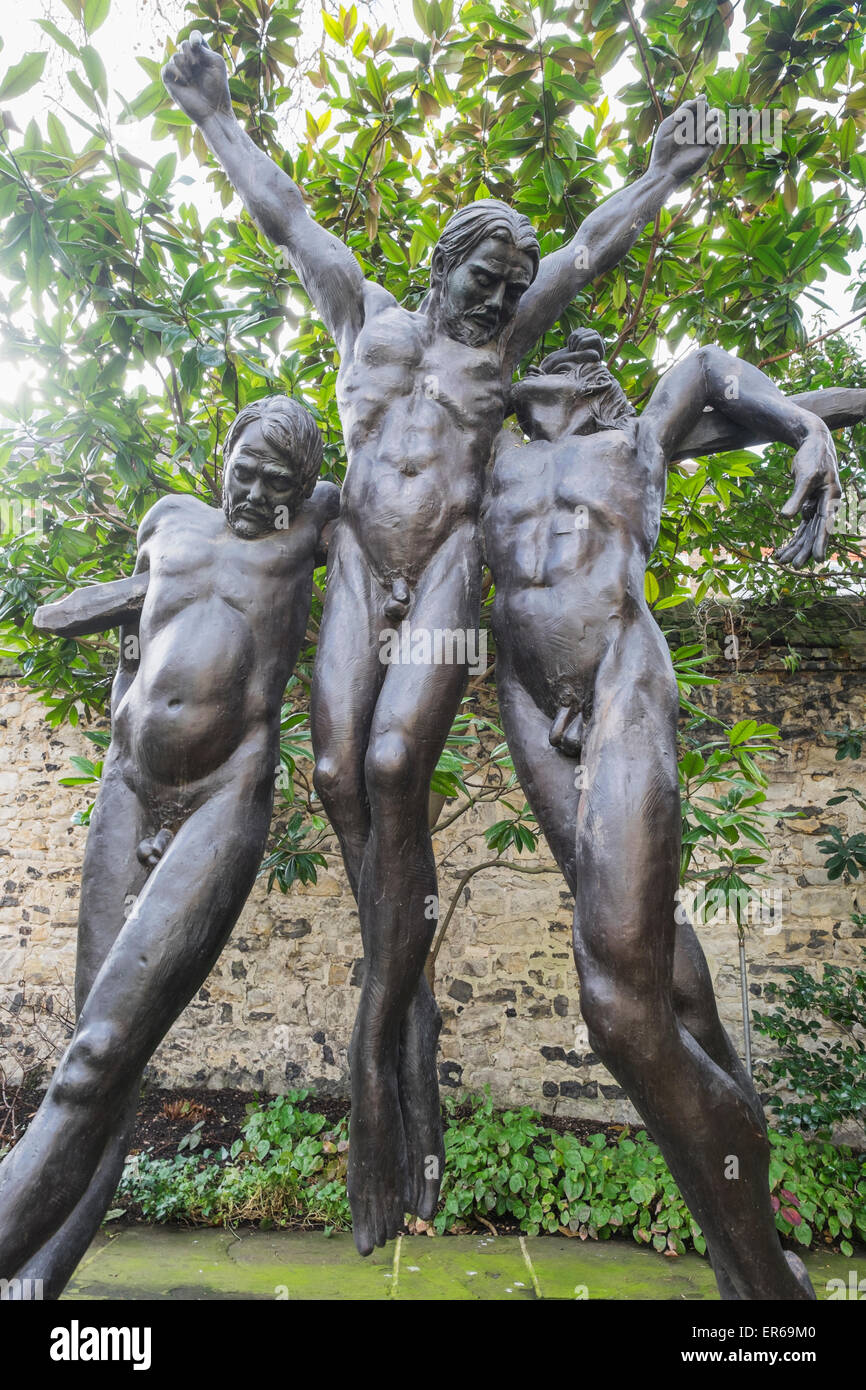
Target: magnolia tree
(135,329)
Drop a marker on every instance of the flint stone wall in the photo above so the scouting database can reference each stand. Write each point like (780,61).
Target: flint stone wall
(277,1011)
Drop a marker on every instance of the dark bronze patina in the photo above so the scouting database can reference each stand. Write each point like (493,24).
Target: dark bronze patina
(211,623)
(589,706)
(422,396)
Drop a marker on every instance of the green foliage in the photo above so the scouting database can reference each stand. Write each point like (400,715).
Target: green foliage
(845,854)
(515,833)
(293,859)
(283,1169)
(506,1166)
(140,328)
(850,742)
(827,1075)
(722,789)
(274,1128)
(89,772)
(463,756)
(818,1191)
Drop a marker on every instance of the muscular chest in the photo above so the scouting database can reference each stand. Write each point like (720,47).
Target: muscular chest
(190,566)
(422,382)
(554,501)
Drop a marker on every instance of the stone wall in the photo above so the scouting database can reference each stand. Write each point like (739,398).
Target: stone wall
(277,1011)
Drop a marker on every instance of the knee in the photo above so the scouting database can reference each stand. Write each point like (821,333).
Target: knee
(90,1065)
(333,779)
(624,1029)
(389,768)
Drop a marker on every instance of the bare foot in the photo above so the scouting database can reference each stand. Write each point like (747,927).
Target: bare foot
(419,1102)
(377,1176)
(798,1269)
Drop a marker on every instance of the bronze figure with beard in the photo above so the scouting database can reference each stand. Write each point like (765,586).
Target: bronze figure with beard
(422,396)
(211,621)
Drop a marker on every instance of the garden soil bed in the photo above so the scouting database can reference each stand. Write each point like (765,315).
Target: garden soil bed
(165,1116)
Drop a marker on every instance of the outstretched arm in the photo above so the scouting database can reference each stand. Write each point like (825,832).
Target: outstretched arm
(714,433)
(612,229)
(748,397)
(100,607)
(96,608)
(197,79)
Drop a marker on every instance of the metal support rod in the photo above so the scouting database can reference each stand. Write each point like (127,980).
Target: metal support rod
(744,988)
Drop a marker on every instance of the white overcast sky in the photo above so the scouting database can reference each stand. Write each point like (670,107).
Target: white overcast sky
(139,28)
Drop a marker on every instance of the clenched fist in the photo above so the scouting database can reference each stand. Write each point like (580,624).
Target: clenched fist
(198,80)
(681,145)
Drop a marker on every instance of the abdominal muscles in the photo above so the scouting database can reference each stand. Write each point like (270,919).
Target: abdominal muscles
(189,704)
(402,515)
(558,636)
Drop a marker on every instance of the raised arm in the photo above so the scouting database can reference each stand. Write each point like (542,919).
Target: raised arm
(612,229)
(712,377)
(197,79)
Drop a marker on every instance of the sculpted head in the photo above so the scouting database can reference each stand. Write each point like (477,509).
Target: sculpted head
(484,260)
(271,456)
(571,392)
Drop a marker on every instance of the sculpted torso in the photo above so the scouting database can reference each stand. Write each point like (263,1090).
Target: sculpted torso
(419,412)
(220,614)
(568,529)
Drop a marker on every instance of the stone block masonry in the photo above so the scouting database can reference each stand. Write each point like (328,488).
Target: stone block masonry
(277,1011)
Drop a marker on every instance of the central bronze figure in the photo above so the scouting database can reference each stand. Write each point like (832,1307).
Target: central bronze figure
(422,396)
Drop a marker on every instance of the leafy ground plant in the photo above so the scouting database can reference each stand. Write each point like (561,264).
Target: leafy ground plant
(818,1081)
(504,1167)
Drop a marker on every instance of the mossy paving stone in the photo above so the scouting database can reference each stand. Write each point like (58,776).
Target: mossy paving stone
(149,1262)
(161,1263)
(166,1262)
(822,1266)
(449,1268)
(311,1265)
(617,1270)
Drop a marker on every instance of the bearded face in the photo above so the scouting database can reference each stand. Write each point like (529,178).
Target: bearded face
(479,296)
(259,488)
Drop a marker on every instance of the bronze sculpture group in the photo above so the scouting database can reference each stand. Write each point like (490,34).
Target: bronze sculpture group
(219,603)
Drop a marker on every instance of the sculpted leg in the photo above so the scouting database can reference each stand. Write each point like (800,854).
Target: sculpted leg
(111,875)
(396,1152)
(549,780)
(695,1006)
(347,679)
(166,948)
(627,869)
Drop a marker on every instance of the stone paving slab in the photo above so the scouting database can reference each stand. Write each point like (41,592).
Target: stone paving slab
(163,1262)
